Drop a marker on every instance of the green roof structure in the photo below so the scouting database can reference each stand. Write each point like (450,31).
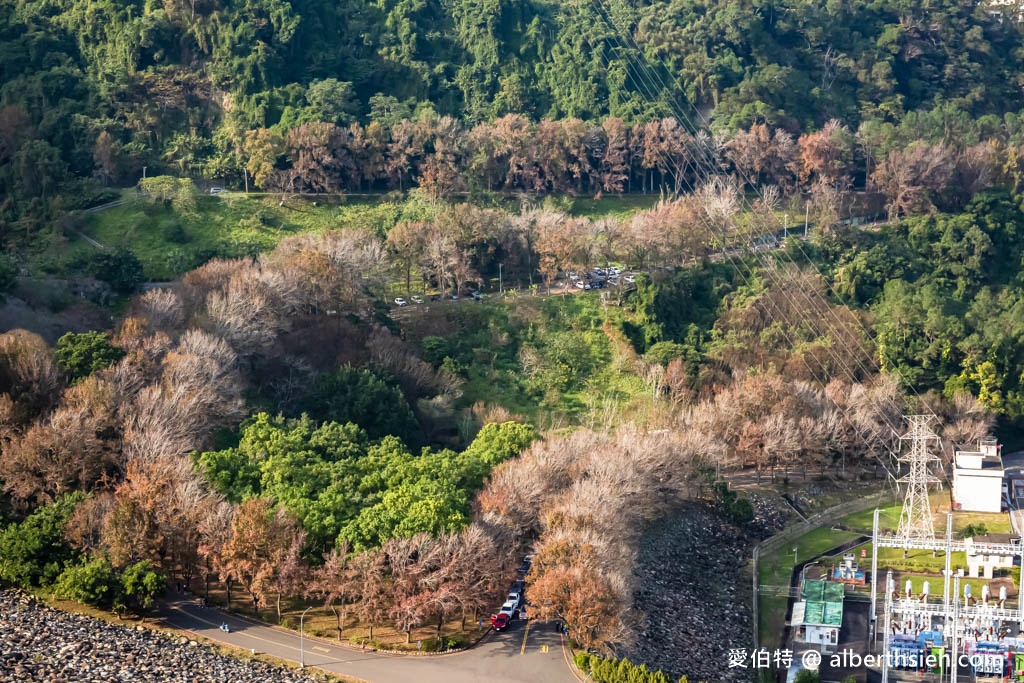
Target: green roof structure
(824,602)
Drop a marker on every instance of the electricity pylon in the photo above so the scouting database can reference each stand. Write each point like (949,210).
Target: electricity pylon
(916,518)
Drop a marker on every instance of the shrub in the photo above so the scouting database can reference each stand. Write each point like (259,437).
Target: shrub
(978,529)
(80,355)
(33,552)
(737,509)
(93,582)
(120,269)
(140,586)
(617,670)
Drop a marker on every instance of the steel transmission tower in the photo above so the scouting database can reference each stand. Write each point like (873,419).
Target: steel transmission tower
(916,518)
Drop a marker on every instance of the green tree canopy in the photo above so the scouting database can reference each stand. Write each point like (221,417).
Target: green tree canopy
(83,354)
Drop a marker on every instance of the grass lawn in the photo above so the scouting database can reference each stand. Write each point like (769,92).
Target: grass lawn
(554,360)
(619,206)
(889,518)
(323,623)
(234,224)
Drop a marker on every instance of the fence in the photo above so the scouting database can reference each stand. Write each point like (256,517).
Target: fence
(795,531)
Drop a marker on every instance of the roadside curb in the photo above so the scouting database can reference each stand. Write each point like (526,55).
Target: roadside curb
(347,645)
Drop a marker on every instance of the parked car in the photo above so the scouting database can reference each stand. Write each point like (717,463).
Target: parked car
(598,271)
(453,297)
(515,598)
(500,622)
(629,278)
(216,190)
(509,608)
(401,302)
(574,277)
(435,297)
(478,295)
(417,299)
(613,270)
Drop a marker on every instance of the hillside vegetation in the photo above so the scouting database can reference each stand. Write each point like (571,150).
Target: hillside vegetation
(349,255)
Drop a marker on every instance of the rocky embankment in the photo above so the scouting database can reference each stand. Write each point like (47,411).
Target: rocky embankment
(693,597)
(38,643)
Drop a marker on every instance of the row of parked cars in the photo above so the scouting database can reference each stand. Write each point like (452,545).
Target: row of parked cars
(600,278)
(515,603)
(402,301)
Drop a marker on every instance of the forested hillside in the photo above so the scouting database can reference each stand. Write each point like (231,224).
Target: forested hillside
(287,392)
(93,92)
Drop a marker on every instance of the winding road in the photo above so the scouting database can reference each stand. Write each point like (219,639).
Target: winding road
(526,653)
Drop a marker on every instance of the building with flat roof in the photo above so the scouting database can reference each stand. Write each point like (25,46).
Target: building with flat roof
(988,552)
(818,615)
(978,478)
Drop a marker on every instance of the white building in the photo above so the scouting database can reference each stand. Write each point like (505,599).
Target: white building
(987,553)
(978,478)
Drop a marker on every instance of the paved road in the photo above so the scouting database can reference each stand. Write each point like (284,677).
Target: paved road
(523,654)
(1013,464)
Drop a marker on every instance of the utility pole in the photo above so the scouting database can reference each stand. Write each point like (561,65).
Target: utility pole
(807,213)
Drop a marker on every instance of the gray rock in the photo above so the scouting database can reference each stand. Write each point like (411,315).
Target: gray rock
(38,643)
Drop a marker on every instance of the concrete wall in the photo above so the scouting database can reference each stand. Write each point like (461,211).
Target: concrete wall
(977,493)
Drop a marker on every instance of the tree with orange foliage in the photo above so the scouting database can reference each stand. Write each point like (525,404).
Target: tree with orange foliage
(826,154)
(261,538)
(566,583)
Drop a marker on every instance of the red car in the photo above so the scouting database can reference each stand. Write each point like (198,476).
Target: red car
(499,622)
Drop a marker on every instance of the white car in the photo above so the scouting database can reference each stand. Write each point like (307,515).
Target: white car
(629,278)
(417,299)
(514,598)
(401,302)
(508,608)
(574,277)
(613,271)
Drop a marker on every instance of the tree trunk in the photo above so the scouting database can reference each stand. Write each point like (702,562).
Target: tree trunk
(408,636)
(228,585)
(371,631)
(337,618)
(440,621)
(279,607)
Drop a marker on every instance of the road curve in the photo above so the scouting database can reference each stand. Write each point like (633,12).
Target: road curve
(526,653)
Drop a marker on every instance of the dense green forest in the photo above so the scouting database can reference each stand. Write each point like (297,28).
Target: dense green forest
(93,93)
